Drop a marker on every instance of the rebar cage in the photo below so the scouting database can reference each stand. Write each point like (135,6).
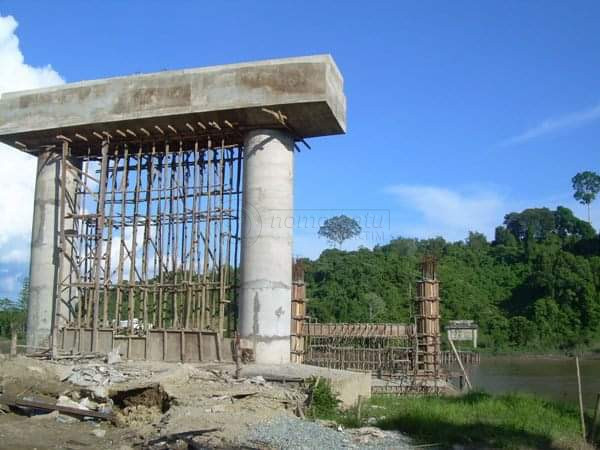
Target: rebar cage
(149,236)
(383,349)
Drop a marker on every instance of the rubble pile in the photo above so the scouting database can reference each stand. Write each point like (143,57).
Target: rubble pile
(99,374)
(153,403)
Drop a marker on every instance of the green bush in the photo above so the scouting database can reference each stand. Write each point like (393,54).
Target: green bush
(323,401)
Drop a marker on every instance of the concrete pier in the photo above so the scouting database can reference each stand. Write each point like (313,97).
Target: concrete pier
(45,255)
(221,103)
(266,259)
(44,240)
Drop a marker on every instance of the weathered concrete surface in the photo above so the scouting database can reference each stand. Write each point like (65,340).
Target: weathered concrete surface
(266,259)
(348,385)
(44,251)
(309,90)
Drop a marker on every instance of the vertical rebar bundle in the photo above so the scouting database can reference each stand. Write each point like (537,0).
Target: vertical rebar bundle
(428,320)
(299,316)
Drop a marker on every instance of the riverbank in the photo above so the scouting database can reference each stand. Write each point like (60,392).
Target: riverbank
(474,420)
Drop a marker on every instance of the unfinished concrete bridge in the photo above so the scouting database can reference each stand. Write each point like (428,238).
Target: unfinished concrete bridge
(155,203)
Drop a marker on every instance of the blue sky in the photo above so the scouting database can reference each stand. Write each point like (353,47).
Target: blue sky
(458,112)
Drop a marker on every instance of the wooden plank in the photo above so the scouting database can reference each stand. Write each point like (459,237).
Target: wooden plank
(45,406)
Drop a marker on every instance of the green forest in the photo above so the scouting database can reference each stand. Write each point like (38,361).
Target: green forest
(535,287)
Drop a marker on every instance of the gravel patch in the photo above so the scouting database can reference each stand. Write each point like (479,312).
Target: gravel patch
(287,432)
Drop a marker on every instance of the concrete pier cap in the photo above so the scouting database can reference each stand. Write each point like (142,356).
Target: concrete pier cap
(267,106)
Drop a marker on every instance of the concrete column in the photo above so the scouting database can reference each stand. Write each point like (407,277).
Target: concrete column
(266,259)
(44,263)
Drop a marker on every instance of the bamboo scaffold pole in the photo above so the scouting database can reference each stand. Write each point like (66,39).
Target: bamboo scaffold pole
(154,231)
(120,267)
(99,242)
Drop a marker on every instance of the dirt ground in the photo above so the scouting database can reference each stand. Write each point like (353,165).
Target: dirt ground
(155,405)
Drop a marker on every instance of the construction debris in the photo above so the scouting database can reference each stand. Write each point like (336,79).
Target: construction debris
(63,405)
(94,376)
(113,356)
(161,402)
(155,399)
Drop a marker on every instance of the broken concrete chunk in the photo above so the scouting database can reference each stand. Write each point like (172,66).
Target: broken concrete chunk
(94,376)
(51,415)
(257,380)
(63,418)
(88,404)
(105,409)
(63,400)
(99,393)
(114,356)
(98,432)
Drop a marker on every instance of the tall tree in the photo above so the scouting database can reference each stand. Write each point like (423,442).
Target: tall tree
(535,222)
(338,229)
(586,186)
(476,241)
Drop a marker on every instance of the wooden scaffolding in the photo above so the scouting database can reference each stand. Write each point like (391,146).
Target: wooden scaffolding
(149,238)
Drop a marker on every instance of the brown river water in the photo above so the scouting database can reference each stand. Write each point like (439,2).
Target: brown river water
(553,378)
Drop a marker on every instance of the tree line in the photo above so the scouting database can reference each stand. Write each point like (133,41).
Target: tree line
(535,286)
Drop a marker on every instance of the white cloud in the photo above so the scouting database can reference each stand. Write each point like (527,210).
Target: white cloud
(15,74)
(551,125)
(15,255)
(17,171)
(449,213)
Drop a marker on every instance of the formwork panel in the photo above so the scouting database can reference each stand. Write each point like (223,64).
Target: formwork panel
(191,352)
(151,347)
(155,345)
(173,347)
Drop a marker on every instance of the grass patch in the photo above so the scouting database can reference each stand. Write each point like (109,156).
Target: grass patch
(476,420)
